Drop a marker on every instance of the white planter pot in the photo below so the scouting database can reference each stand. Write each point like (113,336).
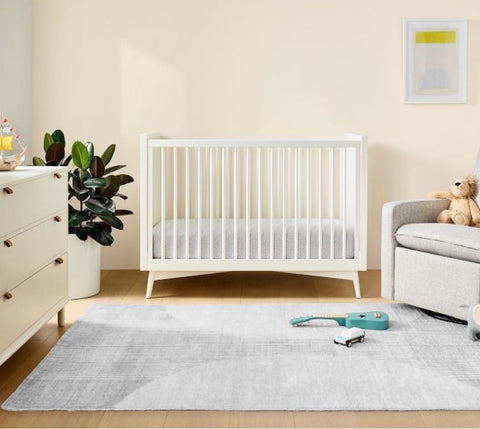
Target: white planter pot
(83,267)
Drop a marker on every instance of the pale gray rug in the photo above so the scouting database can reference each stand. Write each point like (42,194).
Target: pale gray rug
(248,357)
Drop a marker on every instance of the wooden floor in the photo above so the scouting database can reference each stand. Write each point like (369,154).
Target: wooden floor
(129,287)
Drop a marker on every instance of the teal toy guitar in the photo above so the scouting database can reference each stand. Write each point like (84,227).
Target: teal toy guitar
(375,320)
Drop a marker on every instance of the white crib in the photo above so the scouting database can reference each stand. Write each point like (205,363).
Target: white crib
(212,205)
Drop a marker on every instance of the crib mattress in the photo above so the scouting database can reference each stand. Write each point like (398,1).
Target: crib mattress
(253,235)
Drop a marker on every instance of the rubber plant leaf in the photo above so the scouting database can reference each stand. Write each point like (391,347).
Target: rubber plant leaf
(112,221)
(81,234)
(55,153)
(95,182)
(80,155)
(47,141)
(77,218)
(90,149)
(112,169)
(58,137)
(123,179)
(101,205)
(99,234)
(111,188)
(108,154)
(123,212)
(39,162)
(97,167)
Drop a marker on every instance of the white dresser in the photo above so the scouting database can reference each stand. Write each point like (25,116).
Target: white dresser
(33,252)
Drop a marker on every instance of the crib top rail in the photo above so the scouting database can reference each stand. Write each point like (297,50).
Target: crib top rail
(348,141)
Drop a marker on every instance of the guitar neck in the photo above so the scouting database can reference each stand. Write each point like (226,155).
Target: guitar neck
(331,316)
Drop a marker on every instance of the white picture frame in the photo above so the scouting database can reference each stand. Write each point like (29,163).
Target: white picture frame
(434,61)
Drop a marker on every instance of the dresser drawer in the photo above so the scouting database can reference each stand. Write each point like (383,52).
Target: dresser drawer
(23,203)
(26,252)
(31,300)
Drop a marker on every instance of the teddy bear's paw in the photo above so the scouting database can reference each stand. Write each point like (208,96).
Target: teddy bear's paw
(460,218)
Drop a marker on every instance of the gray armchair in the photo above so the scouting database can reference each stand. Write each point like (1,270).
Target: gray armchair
(427,264)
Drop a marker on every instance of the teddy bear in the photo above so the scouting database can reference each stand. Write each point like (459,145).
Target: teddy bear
(463,210)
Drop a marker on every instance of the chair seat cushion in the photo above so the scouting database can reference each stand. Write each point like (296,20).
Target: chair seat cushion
(453,241)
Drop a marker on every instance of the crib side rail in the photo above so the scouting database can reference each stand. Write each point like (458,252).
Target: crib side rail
(261,186)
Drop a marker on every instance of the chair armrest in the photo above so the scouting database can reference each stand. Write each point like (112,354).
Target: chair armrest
(394,215)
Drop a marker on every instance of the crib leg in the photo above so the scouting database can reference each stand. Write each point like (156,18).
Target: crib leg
(151,281)
(356,284)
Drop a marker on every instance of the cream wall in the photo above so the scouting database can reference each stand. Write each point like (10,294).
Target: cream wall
(16,65)
(107,70)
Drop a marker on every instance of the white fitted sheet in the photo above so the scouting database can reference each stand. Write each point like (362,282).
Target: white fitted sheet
(253,232)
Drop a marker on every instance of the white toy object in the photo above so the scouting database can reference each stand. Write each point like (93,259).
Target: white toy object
(473,329)
(350,336)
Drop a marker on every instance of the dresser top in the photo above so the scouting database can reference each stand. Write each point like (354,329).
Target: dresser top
(25,173)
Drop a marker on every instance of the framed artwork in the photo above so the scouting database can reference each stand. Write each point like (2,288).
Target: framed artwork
(435,61)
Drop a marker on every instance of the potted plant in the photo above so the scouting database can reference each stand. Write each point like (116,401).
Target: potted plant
(92,211)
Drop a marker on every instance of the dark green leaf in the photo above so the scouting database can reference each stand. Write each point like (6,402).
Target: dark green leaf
(99,234)
(95,182)
(97,168)
(77,218)
(105,226)
(108,154)
(112,221)
(82,234)
(38,161)
(55,153)
(111,188)
(58,137)
(80,155)
(101,205)
(123,179)
(71,210)
(112,169)
(89,146)
(123,197)
(122,212)
(47,141)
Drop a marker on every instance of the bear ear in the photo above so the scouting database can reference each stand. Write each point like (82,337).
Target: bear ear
(473,182)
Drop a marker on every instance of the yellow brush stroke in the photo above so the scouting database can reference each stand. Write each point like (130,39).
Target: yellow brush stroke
(435,37)
(6,143)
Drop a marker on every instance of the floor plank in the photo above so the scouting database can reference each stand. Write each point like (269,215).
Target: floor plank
(133,419)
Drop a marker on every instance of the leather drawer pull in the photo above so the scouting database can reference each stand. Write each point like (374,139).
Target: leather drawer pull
(8,190)
(59,261)
(57,218)
(57,175)
(7,295)
(8,243)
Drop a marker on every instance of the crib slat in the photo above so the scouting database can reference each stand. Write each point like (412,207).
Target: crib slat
(223,201)
(187,203)
(331,199)
(235,226)
(320,196)
(199,203)
(175,202)
(211,196)
(271,201)
(284,203)
(247,203)
(344,202)
(295,204)
(163,202)
(308,197)
(259,203)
